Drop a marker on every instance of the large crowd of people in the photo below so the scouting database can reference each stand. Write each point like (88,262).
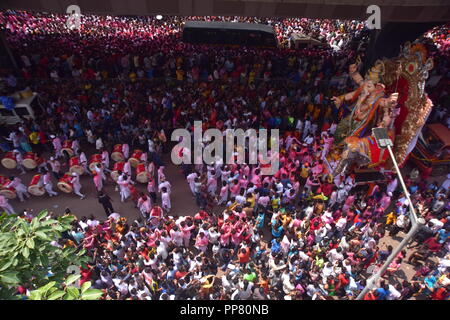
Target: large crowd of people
(300,234)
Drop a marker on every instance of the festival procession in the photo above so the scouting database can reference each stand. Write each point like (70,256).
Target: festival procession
(98,147)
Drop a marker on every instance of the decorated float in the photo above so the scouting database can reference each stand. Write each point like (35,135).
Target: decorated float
(391,95)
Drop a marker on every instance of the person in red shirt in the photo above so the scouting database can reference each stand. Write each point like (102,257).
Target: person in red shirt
(371,295)
(432,244)
(86,274)
(180,273)
(244,256)
(441,294)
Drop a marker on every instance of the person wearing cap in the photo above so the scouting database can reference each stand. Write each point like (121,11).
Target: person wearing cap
(4,204)
(20,188)
(77,185)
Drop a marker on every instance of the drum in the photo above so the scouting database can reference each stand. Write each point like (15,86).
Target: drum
(117,154)
(135,158)
(95,158)
(115,172)
(34,187)
(30,160)
(9,193)
(65,184)
(9,160)
(74,165)
(141,173)
(67,146)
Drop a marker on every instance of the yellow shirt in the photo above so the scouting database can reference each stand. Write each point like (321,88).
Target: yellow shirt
(34,137)
(286,220)
(275,203)
(252,201)
(304,173)
(391,218)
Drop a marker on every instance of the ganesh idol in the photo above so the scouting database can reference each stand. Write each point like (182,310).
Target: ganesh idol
(369,105)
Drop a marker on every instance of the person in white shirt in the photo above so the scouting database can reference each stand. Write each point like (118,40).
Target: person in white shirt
(191,181)
(48,185)
(20,188)
(244,290)
(436,224)
(105,160)
(19,161)
(99,144)
(75,146)
(394,293)
(77,185)
(83,162)
(288,286)
(335,255)
(4,204)
(151,146)
(164,184)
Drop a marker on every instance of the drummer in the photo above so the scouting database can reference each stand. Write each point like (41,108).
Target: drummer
(56,167)
(151,169)
(83,162)
(56,141)
(77,185)
(99,170)
(127,168)
(19,161)
(20,188)
(98,181)
(125,150)
(75,146)
(124,183)
(48,185)
(5,205)
(145,205)
(105,160)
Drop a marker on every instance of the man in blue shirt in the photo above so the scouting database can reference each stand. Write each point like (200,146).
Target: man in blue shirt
(275,245)
(277,229)
(383,291)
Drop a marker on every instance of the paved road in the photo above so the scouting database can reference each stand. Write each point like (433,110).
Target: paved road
(183,203)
